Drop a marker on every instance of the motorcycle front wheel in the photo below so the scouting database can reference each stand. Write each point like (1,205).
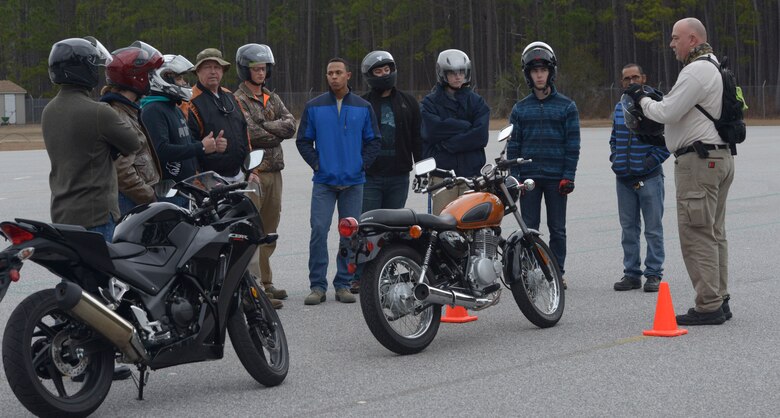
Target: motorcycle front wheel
(388,304)
(541,300)
(40,360)
(258,336)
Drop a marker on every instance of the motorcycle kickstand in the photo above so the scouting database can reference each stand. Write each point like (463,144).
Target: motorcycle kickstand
(143,375)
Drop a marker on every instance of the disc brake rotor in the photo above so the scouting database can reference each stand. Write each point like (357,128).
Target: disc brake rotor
(62,357)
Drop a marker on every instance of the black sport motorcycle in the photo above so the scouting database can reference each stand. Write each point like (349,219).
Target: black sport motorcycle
(163,293)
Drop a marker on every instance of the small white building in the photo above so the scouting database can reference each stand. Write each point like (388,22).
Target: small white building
(12,103)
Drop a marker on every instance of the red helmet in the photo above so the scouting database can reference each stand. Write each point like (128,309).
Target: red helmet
(131,67)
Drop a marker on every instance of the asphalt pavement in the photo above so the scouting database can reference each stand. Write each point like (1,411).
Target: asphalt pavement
(595,362)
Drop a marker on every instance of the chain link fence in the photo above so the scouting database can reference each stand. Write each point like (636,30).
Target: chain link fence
(594,103)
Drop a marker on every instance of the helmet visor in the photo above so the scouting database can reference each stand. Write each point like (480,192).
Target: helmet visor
(103,56)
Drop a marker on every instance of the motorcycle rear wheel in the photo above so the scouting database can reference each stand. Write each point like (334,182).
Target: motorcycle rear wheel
(540,300)
(258,337)
(39,364)
(385,289)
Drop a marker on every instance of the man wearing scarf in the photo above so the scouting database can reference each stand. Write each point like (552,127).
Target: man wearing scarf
(703,170)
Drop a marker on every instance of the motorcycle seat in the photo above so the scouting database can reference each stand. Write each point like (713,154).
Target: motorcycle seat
(408,217)
(121,250)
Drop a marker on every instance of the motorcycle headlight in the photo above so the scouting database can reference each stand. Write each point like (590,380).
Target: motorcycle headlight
(513,186)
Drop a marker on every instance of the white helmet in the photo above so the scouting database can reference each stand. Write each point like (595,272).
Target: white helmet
(453,60)
(163,80)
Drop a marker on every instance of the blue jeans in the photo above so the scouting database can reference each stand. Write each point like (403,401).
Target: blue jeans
(531,208)
(649,201)
(323,200)
(125,204)
(107,229)
(385,192)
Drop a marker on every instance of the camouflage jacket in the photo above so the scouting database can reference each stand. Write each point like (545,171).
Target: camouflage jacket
(269,123)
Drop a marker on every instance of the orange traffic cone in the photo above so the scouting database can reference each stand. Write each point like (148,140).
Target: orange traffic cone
(456,315)
(665,323)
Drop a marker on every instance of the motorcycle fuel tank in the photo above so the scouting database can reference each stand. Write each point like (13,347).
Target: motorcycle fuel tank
(149,225)
(476,210)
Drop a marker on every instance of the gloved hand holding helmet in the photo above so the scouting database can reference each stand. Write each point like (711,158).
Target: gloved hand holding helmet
(379,59)
(645,129)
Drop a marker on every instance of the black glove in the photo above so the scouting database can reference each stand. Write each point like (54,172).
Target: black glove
(565,187)
(636,92)
(657,140)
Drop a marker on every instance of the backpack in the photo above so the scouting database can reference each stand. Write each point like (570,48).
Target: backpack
(731,125)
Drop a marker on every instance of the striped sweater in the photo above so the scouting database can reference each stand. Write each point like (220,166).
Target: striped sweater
(548,132)
(632,159)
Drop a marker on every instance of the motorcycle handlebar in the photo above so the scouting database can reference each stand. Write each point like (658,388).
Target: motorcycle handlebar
(504,164)
(221,190)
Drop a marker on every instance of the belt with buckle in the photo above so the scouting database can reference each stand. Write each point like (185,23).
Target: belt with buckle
(708,147)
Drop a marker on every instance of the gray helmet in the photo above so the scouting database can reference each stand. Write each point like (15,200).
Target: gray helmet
(76,61)
(538,54)
(163,79)
(453,60)
(250,54)
(376,59)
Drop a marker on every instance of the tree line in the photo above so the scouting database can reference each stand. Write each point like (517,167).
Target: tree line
(592,39)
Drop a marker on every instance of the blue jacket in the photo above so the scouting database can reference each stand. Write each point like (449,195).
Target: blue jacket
(632,159)
(455,132)
(346,142)
(548,132)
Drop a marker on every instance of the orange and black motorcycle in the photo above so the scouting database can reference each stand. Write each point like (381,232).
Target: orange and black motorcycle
(413,263)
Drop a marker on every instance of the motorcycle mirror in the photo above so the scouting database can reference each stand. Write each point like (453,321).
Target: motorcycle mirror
(163,187)
(424,166)
(504,133)
(253,160)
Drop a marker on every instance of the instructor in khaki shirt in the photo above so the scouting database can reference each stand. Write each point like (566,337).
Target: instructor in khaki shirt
(703,170)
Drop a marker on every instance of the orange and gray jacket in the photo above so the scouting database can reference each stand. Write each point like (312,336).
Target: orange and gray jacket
(268,123)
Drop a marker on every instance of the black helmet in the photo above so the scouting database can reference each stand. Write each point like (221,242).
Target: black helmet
(635,118)
(76,61)
(376,59)
(453,60)
(538,54)
(251,54)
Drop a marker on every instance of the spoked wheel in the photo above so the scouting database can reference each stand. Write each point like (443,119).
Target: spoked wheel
(541,300)
(258,336)
(387,301)
(44,349)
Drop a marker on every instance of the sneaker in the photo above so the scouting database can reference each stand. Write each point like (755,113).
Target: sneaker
(565,285)
(652,283)
(315,297)
(726,309)
(276,303)
(344,296)
(702,318)
(354,288)
(627,283)
(275,293)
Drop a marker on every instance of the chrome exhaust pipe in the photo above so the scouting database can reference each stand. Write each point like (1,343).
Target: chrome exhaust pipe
(428,294)
(75,301)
